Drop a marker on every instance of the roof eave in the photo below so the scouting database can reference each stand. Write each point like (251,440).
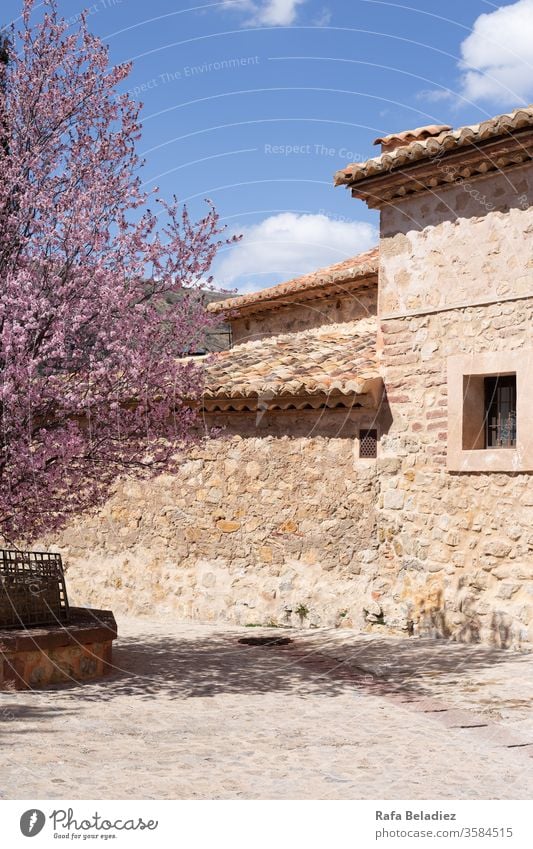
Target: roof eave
(369,399)
(236,307)
(470,161)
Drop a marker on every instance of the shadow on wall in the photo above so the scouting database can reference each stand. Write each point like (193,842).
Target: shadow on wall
(341,423)
(462,199)
(465,625)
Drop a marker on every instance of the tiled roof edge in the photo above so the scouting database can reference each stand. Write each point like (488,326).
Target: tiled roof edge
(447,141)
(356,268)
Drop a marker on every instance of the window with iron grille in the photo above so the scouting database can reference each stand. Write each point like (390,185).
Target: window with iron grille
(500,411)
(489,412)
(368,443)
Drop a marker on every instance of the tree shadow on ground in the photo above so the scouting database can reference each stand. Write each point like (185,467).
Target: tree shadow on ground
(411,661)
(207,666)
(147,667)
(15,712)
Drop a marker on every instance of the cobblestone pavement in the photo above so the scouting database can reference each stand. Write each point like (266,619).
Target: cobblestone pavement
(189,712)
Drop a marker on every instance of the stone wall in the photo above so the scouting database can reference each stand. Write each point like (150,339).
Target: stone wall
(461,244)
(260,523)
(252,530)
(456,550)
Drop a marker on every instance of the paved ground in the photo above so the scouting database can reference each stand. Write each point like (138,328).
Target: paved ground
(191,713)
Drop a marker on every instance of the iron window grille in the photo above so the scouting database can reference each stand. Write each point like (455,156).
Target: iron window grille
(368,443)
(500,411)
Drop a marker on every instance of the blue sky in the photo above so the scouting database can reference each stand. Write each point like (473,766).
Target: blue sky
(255,103)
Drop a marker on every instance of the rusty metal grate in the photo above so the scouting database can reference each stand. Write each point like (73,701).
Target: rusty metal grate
(368,443)
(32,589)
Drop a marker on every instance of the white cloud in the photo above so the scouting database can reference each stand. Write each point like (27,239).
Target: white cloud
(287,245)
(323,19)
(497,57)
(276,13)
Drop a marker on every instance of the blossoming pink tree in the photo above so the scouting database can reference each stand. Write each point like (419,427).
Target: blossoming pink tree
(91,379)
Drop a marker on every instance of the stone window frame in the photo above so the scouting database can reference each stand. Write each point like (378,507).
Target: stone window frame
(516,459)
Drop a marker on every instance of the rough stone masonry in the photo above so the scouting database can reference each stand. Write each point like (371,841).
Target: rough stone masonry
(279,520)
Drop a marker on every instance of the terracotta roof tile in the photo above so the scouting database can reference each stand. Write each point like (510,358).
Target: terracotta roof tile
(306,287)
(407,136)
(337,358)
(425,148)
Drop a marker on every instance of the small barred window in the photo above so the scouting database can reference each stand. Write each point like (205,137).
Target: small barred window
(500,411)
(368,443)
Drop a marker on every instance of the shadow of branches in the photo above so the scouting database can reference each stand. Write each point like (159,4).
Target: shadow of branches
(200,666)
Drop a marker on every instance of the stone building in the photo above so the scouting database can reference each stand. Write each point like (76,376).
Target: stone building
(375,458)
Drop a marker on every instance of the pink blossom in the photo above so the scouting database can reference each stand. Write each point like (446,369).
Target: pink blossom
(93,378)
